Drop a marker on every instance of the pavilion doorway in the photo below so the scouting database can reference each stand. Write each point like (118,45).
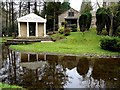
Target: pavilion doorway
(32,28)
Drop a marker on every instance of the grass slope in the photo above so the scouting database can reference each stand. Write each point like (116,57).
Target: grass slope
(76,43)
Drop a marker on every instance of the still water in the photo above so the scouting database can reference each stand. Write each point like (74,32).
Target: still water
(36,70)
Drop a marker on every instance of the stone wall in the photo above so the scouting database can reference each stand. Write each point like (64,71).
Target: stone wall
(40,29)
(23,29)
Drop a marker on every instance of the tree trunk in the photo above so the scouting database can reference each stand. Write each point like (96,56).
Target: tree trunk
(7,18)
(12,17)
(98,4)
(20,9)
(111,29)
(28,7)
(35,7)
(54,18)
(0,20)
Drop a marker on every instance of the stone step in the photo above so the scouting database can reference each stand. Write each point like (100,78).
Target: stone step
(26,41)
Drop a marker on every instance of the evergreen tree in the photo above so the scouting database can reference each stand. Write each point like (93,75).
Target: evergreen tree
(52,10)
(65,6)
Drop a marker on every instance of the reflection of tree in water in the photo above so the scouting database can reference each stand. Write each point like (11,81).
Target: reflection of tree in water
(52,76)
(105,73)
(83,66)
(4,52)
(69,62)
(85,69)
(107,69)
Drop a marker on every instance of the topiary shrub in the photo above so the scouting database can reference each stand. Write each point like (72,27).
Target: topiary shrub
(111,44)
(85,21)
(103,19)
(67,31)
(74,28)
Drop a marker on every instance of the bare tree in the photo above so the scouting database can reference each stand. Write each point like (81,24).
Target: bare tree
(35,7)
(20,6)
(7,17)
(28,6)
(12,5)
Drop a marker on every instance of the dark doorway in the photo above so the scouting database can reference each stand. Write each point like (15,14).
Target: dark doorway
(32,29)
(71,22)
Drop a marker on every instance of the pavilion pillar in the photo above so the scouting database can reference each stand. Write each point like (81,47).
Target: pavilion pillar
(36,29)
(44,29)
(27,29)
(19,34)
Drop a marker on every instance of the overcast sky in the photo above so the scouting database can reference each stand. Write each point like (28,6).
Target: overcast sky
(77,3)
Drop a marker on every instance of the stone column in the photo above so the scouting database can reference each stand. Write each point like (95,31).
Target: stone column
(27,29)
(36,29)
(19,34)
(44,29)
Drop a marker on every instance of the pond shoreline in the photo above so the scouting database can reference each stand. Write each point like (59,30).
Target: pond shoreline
(79,55)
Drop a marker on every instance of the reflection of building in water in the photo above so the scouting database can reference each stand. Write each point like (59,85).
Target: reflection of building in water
(55,73)
(28,57)
(43,74)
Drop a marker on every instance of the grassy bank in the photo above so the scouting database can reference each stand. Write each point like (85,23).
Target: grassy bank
(4,39)
(76,43)
(6,86)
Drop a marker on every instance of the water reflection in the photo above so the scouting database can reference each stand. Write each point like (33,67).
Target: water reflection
(35,70)
(107,70)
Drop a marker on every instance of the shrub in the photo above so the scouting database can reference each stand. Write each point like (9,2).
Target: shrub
(67,31)
(74,28)
(85,21)
(61,30)
(111,44)
(56,37)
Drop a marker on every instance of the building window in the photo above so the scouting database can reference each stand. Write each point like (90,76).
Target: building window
(71,14)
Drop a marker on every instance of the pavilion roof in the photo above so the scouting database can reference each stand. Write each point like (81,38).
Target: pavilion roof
(31,18)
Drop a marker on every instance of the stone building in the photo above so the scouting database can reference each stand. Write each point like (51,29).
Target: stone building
(107,3)
(70,16)
(31,25)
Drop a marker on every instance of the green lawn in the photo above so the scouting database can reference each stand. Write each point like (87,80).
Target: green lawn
(76,43)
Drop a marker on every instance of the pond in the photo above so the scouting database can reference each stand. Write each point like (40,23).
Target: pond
(37,70)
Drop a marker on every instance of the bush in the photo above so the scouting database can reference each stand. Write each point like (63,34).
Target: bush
(61,30)
(67,31)
(111,44)
(56,37)
(85,21)
(74,28)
